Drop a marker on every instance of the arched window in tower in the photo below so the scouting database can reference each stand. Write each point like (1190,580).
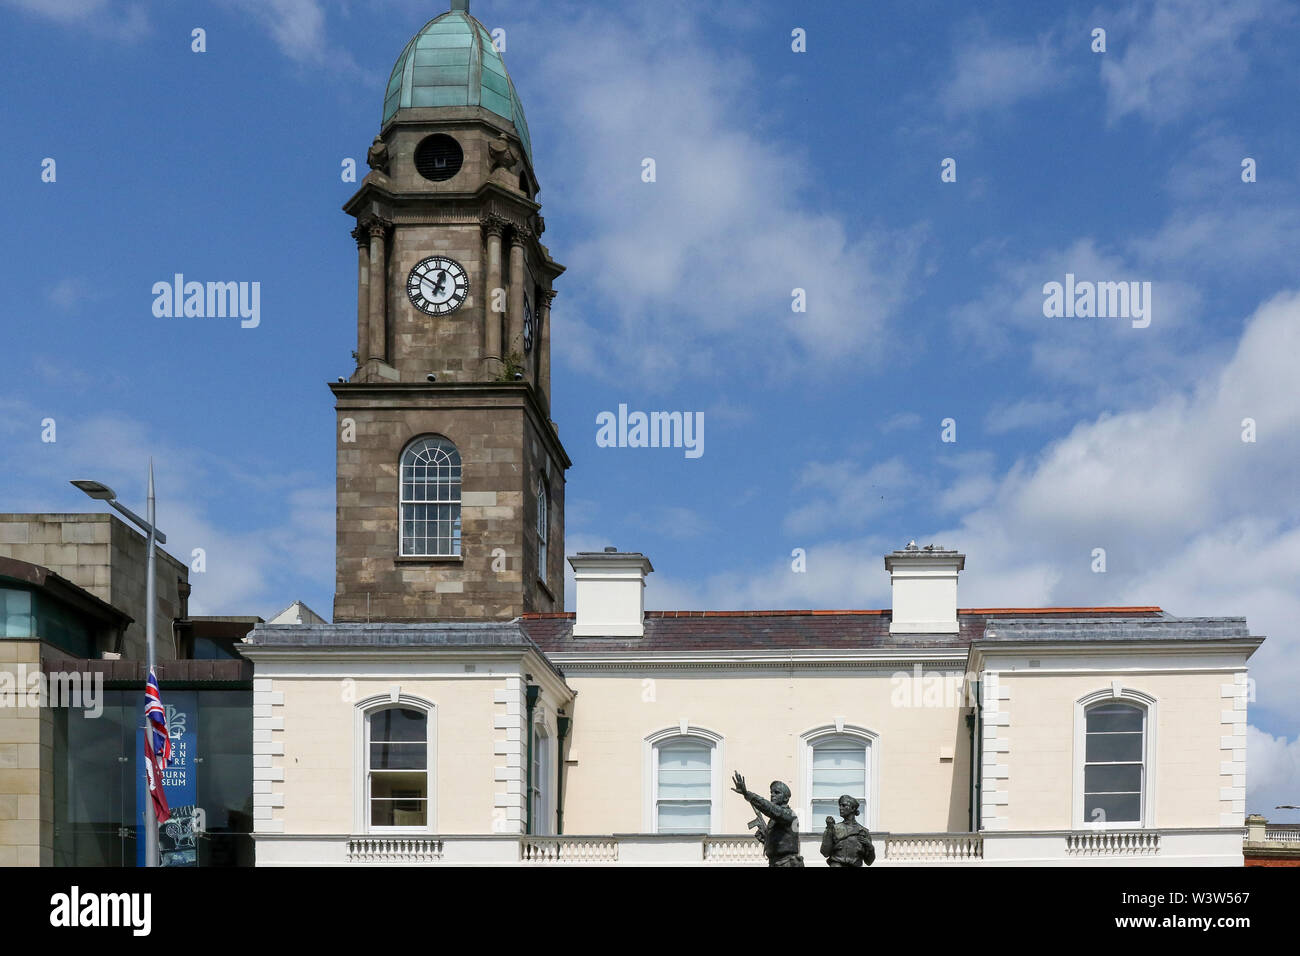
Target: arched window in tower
(430,498)
(542,519)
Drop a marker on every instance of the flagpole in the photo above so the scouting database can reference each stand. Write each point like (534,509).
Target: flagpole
(151,817)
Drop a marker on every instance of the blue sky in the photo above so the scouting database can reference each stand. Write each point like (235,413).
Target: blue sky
(775,170)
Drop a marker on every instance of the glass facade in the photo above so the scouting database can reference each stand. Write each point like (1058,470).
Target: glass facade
(97,762)
(26,613)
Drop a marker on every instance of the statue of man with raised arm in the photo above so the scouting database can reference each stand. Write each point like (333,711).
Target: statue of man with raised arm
(780,834)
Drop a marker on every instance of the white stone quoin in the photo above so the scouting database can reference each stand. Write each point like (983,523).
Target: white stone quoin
(924,585)
(610,593)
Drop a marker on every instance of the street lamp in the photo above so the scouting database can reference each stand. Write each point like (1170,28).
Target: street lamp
(101,492)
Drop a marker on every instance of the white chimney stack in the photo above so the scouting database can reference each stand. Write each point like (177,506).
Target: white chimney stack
(924,584)
(609,591)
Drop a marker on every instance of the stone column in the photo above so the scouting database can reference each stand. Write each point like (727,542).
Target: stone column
(515,341)
(493,227)
(543,334)
(378,326)
(361,235)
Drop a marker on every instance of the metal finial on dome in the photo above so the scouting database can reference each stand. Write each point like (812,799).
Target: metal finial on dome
(461,6)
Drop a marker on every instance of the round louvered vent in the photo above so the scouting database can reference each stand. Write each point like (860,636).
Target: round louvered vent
(438,157)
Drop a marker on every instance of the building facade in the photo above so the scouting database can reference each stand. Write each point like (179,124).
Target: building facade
(455,712)
(72,674)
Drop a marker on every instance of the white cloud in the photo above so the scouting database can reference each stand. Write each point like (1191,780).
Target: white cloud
(1105,357)
(1272,775)
(993,73)
(257,568)
(902,420)
(1191,518)
(1168,58)
(693,274)
(843,494)
(1027,413)
(104,18)
(299,29)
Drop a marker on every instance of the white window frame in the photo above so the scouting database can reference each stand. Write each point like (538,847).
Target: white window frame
(361,761)
(403,502)
(1147,704)
(650,773)
(808,740)
(543,812)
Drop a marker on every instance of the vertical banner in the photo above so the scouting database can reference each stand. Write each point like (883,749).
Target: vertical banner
(177,840)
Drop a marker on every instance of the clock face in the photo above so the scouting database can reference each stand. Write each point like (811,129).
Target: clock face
(437,285)
(528,325)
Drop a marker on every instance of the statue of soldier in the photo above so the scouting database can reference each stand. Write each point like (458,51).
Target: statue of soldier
(780,835)
(847,843)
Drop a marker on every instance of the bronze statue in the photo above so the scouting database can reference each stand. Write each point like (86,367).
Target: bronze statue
(848,843)
(780,834)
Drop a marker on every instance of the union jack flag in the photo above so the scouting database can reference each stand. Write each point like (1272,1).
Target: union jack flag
(157,718)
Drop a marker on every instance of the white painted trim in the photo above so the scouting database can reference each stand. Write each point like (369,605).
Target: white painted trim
(803,785)
(268,718)
(1149,769)
(1119,656)
(880,657)
(361,761)
(543,742)
(650,773)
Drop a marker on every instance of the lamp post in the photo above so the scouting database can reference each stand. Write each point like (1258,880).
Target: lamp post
(102,492)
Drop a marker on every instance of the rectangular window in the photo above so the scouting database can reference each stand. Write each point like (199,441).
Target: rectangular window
(398,753)
(684,783)
(541,813)
(1113,771)
(838,767)
(430,499)
(542,518)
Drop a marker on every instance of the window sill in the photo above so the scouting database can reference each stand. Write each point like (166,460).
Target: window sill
(549,592)
(429,559)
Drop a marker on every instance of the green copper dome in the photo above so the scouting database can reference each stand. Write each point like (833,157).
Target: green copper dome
(452,62)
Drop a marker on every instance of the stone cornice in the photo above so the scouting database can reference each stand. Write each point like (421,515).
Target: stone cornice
(390,395)
(1236,648)
(579,661)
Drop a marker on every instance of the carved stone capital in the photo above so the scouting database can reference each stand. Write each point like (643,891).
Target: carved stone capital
(493,225)
(378,225)
(548,296)
(522,234)
(362,235)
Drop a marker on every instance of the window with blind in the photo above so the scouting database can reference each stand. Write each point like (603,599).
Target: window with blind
(683,786)
(837,765)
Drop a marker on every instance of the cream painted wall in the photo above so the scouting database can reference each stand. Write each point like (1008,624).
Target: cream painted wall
(1041,707)
(760,718)
(319,743)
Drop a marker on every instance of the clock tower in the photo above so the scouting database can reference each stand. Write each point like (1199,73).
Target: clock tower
(450,472)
